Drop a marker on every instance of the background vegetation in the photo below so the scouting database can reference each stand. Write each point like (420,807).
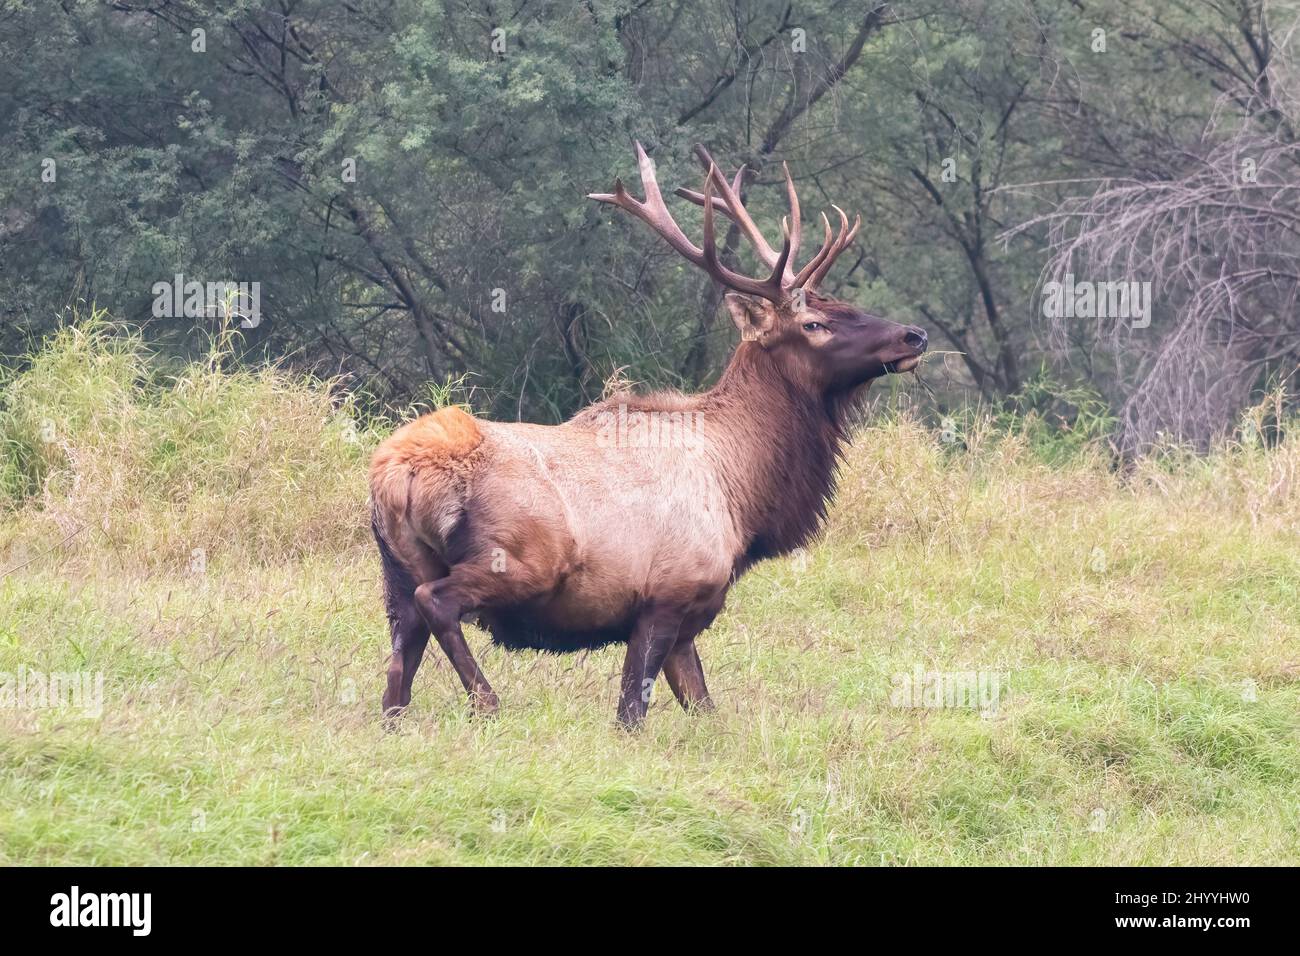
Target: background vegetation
(1105,515)
(1145,141)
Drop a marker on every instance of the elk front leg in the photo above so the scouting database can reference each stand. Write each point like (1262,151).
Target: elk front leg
(653,637)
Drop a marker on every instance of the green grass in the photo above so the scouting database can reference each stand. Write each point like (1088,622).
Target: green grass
(1148,625)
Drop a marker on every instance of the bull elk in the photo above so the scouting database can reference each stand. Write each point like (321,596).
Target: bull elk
(570,536)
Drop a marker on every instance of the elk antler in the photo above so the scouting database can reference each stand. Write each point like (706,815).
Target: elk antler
(782,281)
(729,204)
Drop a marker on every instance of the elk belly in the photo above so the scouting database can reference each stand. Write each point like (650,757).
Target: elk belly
(523,629)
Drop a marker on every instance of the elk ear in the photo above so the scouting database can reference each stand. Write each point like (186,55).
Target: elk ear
(753,316)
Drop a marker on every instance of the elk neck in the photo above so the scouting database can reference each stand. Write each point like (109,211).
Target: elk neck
(779,441)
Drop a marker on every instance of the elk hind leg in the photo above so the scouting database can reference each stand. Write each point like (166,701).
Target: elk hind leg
(685,676)
(442,603)
(407,626)
(682,667)
(410,635)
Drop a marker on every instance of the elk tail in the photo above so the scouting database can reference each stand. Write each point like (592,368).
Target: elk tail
(399,583)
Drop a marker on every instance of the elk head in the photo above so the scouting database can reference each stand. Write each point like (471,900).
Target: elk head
(830,344)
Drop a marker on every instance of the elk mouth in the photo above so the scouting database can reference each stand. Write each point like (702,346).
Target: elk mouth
(903,364)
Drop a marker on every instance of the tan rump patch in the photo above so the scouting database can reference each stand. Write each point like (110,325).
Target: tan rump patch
(435,440)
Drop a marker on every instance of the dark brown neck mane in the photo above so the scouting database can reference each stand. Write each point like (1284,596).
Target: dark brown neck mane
(782,446)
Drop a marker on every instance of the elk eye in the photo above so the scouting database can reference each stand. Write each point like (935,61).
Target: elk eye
(813,326)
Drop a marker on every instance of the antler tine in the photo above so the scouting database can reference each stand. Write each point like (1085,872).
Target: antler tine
(652,211)
(718,201)
(772,288)
(730,204)
(846,236)
(738,180)
(655,214)
(828,243)
(795,224)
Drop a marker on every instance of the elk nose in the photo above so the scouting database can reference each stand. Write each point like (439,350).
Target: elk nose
(916,338)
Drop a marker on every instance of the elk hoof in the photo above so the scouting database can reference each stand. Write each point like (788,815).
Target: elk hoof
(392,719)
(484,703)
(629,723)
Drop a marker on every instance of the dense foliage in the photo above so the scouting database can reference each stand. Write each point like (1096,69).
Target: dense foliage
(406,179)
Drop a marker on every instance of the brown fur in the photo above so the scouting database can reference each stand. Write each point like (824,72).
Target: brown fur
(430,441)
(418,479)
(557,539)
(603,529)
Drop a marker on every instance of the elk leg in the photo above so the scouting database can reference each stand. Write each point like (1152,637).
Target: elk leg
(410,635)
(653,637)
(441,602)
(685,676)
(683,669)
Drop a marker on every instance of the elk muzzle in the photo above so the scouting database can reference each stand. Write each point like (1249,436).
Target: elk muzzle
(917,341)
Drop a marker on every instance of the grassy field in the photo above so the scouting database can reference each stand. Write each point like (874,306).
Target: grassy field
(197,538)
